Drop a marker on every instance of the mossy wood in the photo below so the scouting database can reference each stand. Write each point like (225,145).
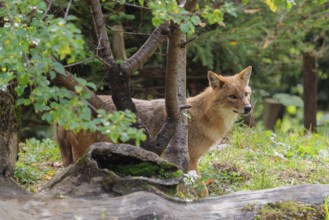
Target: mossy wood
(116,169)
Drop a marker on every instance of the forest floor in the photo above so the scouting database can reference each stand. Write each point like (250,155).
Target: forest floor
(249,159)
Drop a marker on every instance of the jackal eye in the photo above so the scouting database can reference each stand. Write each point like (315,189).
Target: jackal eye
(232,96)
(246,94)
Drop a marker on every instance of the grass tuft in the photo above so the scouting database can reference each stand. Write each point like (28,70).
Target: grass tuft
(255,158)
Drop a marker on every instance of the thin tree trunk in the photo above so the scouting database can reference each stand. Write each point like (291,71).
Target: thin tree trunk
(177,150)
(310,91)
(168,129)
(119,50)
(9,133)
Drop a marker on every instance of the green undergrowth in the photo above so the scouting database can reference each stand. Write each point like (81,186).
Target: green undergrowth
(255,158)
(38,161)
(251,159)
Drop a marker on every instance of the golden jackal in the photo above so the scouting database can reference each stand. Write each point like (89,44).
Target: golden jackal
(213,113)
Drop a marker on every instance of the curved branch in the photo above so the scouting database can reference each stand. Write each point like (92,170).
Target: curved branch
(137,60)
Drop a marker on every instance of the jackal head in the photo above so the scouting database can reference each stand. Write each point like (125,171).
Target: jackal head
(232,92)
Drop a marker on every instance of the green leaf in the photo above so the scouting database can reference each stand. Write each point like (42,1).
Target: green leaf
(114,137)
(185,28)
(78,88)
(91,85)
(52,74)
(42,6)
(59,68)
(195,19)
(230,9)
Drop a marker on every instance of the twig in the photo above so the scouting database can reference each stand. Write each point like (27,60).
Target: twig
(68,9)
(132,5)
(50,2)
(80,62)
(183,107)
(183,44)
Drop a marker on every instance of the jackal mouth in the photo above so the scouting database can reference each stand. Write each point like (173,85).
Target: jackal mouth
(245,112)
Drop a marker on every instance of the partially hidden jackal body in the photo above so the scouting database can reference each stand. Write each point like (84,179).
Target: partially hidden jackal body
(212,115)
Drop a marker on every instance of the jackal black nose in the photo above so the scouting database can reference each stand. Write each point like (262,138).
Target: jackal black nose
(247,109)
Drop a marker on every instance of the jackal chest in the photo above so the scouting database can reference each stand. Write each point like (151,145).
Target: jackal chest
(219,129)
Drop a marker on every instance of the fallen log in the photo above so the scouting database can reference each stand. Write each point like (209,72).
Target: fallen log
(146,205)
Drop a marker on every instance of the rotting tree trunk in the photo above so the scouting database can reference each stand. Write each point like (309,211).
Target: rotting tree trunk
(116,169)
(9,133)
(310,90)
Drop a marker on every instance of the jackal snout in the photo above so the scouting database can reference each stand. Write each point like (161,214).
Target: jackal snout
(247,109)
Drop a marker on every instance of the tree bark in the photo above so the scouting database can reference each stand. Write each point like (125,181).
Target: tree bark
(177,150)
(9,133)
(310,90)
(171,101)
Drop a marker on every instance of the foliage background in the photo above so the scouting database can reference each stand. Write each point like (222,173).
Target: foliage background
(226,37)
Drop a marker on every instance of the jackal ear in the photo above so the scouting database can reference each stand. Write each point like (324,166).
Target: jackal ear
(245,74)
(215,80)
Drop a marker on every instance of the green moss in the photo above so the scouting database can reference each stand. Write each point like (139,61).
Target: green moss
(147,169)
(290,210)
(141,169)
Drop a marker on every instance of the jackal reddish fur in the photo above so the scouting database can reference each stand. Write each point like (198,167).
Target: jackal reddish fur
(212,115)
